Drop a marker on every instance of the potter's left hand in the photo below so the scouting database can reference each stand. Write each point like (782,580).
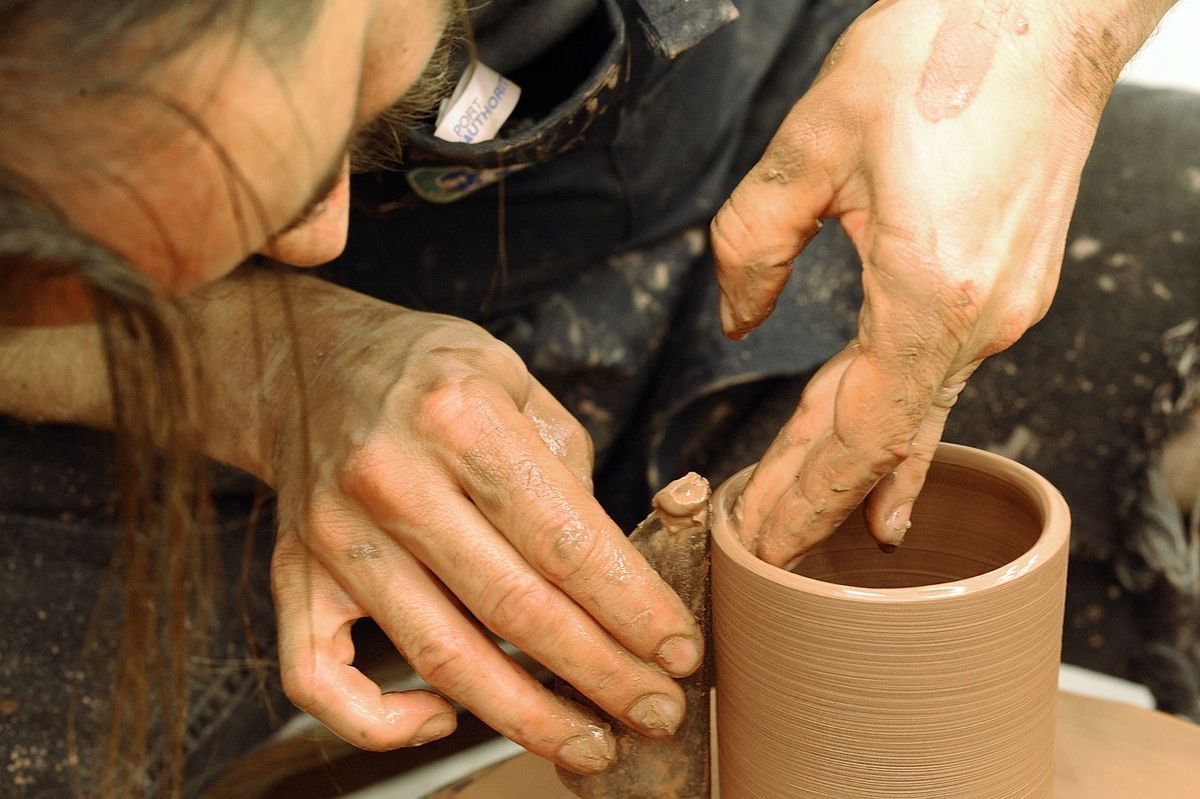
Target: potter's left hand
(948,139)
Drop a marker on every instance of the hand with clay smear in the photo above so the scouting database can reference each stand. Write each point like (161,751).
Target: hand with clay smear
(948,139)
(437,487)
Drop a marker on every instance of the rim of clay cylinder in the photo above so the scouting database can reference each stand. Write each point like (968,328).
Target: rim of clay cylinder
(1045,498)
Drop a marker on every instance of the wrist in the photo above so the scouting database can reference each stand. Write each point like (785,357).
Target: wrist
(1096,39)
(244,344)
(279,349)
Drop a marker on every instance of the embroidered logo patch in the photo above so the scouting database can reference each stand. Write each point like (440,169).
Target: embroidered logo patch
(447,184)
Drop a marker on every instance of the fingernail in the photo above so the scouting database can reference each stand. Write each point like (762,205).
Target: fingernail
(657,714)
(588,753)
(679,655)
(437,727)
(897,524)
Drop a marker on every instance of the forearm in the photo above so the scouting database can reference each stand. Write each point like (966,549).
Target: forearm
(54,374)
(1098,39)
(1128,22)
(276,346)
(60,374)
(254,336)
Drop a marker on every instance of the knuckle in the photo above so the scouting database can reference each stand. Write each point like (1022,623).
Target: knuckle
(516,607)
(969,318)
(455,402)
(565,553)
(500,358)
(892,451)
(331,533)
(532,724)
(610,681)
(298,676)
(444,660)
(742,237)
(641,620)
(815,138)
(368,475)
(960,304)
(729,235)
(481,355)
(882,452)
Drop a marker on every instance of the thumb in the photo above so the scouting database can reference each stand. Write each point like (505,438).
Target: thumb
(769,219)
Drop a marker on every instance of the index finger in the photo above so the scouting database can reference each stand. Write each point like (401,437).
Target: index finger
(529,495)
(774,212)
(855,424)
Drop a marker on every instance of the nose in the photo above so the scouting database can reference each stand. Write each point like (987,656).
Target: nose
(322,236)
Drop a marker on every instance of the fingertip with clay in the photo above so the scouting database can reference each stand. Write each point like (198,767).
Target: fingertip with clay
(750,288)
(589,752)
(738,320)
(656,715)
(680,655)
(895,528)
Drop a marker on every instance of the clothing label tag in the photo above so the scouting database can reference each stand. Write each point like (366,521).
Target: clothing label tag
(480,105)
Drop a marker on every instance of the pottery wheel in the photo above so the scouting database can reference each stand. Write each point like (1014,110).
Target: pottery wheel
(1103,750)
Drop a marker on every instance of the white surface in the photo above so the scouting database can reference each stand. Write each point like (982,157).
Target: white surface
(421,782)
(1075,680)
(1171,57)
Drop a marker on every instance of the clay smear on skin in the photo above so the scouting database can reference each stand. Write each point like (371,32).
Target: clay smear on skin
(960,58)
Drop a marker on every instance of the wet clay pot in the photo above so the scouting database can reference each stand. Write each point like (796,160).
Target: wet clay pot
(928,672)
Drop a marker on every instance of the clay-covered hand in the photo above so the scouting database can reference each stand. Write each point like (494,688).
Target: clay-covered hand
(439,483)
(948,139)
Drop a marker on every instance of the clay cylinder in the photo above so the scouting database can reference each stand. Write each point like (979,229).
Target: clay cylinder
(929,672)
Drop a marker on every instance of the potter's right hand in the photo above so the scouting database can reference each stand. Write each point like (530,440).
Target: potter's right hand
(440,482)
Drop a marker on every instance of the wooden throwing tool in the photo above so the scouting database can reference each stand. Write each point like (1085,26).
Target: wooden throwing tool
(675,540)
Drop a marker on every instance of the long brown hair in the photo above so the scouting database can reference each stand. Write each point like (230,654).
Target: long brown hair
(164,569)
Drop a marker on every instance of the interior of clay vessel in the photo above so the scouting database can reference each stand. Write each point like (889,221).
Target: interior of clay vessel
(965,523)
